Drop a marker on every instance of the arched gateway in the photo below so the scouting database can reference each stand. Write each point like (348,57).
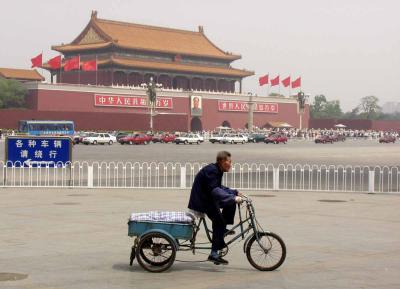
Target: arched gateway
(195,124)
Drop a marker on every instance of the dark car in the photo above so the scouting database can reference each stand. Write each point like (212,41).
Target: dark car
(136,139)
(338,137)
(324,139)
(120,135)
(276,139)
(256,137)
(387,139)
(156,138)
(76,139)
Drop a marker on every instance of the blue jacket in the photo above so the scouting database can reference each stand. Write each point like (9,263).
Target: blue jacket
(208,194)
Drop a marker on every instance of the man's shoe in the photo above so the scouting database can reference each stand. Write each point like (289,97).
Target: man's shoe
(229,232)
(217,260)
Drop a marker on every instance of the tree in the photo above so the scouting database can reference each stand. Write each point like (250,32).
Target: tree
(316,108)
(369,107)
(353,114)
(332,109)
(321,108)
(12,93)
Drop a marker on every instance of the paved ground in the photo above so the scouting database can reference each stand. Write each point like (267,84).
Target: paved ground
(359,152)
(69,238)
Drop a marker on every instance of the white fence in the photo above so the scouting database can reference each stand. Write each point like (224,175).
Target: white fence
(180,176)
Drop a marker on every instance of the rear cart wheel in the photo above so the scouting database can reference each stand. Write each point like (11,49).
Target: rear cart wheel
(156,252)
(267,253)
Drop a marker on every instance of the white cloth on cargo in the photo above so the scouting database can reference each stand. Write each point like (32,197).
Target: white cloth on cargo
(169,217)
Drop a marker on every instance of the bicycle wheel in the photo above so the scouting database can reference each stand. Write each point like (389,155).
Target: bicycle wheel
(267,254)
(156,252)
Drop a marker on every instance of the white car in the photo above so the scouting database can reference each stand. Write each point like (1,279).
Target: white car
(200,137)
(233,138)
(99,138)
(188,139)
(216,138)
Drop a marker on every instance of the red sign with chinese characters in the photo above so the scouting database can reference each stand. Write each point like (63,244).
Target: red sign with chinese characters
(130,101)
(242,106)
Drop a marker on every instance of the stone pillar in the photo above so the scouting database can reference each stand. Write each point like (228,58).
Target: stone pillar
(251,114)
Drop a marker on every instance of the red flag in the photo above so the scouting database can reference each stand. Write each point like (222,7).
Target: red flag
(275,81)
(55,62)
(263,80)
(89,65)
(72,63)
(296,83)
(286,81)
(37,61)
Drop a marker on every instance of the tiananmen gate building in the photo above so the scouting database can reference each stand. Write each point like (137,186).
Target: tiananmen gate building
(200,88)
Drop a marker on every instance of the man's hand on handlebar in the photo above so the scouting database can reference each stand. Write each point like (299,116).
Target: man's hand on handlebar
(238,199)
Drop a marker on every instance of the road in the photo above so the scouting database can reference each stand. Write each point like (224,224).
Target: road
(77,238)
(358,152)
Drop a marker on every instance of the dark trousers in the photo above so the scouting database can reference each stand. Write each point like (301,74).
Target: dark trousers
(221,218)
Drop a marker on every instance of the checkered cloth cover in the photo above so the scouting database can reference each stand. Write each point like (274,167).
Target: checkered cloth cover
(169,217)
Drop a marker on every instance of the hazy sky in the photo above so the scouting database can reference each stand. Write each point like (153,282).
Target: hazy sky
(343,49)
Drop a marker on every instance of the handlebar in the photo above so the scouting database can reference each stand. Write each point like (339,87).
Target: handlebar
(246,198)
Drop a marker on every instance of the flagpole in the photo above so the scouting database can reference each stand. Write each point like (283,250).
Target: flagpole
(41,66)
(79,69)
(96,69)
(279,84)
(59,81)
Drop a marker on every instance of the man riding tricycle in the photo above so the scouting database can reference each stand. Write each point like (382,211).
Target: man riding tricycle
(159,235)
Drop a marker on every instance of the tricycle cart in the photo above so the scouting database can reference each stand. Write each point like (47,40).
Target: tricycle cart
(156,243)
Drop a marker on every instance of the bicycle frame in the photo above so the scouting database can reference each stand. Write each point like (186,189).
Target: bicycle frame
(251,225)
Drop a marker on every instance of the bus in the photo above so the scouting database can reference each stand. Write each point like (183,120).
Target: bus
(46,127)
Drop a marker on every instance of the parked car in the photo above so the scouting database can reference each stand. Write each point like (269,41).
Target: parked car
(324,139)
(276,139)
(215,138)
(156,138)
(120,135)
(256,137)
(138,138)
(233,138)
(337,137)
(387,139)
(99,138)
(166,138)
(200,137)
(188,139)
(76,139)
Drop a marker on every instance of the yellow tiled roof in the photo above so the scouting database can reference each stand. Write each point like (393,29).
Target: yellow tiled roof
(21,74)
(177,66)
(149,38)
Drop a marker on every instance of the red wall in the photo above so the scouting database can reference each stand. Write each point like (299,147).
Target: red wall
(95,121)
(362,124)
(79,106)
(287,113)
(386,125)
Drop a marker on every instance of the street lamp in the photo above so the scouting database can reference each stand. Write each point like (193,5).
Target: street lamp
(152,98)
(301,100)
(251,112)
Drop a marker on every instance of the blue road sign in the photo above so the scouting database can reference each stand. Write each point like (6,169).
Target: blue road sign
(31,151)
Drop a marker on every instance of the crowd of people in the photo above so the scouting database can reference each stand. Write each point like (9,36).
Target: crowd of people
(288,132)
(312,133)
